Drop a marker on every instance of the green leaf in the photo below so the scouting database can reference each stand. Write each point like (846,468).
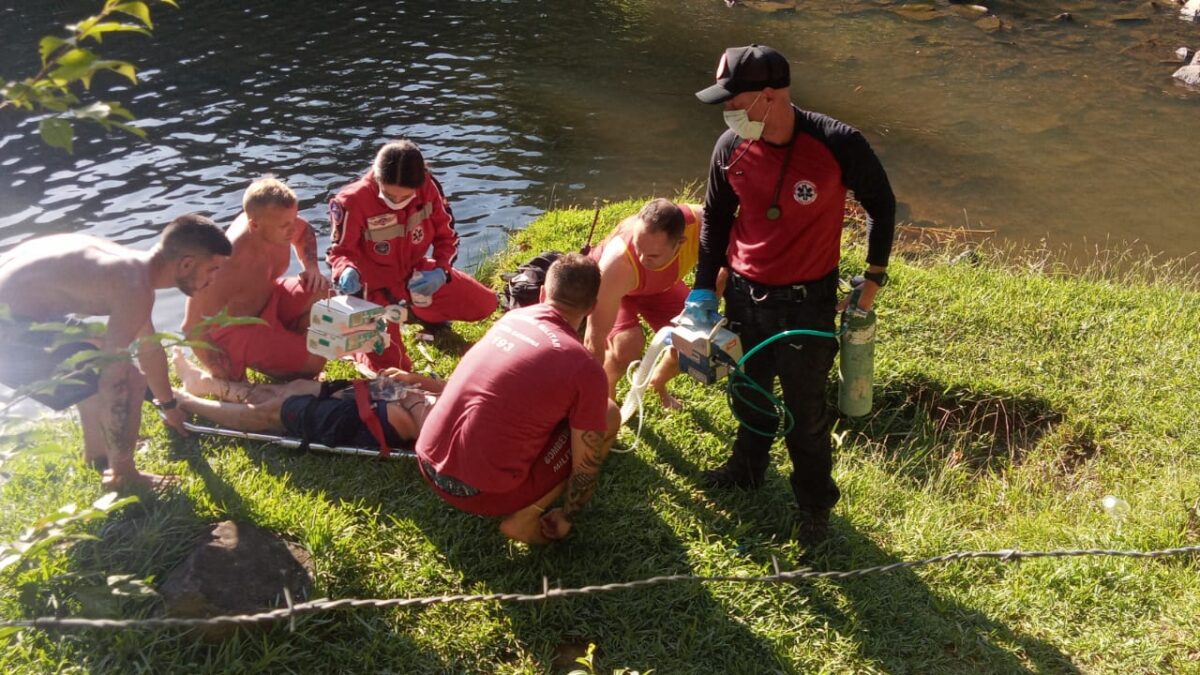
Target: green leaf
(136,131)
(7,633)
(76,64)
(119,110)
(129,586)
(112,501)
(97,31)
(95,111)
(47,46)
(10,559)
(137,10)
(127,70)
(80,357)
(57,133)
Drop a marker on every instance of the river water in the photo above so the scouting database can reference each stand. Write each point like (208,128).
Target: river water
(1069,131)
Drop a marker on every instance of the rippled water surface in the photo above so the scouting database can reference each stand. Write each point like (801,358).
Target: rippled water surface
(1068,130)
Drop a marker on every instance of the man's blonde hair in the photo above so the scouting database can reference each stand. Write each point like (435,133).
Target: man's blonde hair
(267,191)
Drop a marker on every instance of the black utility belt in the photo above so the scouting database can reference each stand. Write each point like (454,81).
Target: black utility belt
(822,288)
(450,484)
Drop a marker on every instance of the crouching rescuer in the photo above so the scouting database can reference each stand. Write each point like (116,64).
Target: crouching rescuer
(773,214)
(526,418)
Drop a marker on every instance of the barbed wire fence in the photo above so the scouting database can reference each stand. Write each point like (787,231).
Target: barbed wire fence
(293,610)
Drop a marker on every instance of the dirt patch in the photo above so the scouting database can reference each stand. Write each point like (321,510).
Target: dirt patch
(982,430)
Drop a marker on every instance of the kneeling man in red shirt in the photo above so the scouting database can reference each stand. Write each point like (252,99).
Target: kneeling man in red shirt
(526,415)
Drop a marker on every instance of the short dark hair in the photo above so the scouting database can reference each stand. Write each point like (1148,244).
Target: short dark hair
(662,215)
(573,280)
(193,234)
(400,163)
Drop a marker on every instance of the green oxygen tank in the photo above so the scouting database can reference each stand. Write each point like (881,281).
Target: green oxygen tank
(856,364)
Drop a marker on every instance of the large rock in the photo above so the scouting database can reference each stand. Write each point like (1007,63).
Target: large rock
(1189,75)
(1190,10)
(238,568)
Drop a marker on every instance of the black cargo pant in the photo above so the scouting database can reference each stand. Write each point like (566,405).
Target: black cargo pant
(802,364)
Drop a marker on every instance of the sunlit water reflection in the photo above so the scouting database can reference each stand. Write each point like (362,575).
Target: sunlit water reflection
(1072,131)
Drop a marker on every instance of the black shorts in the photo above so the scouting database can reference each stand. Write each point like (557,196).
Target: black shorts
(36,356)
(332,422)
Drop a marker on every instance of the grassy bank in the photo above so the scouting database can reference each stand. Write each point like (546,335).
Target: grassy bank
(1009,402)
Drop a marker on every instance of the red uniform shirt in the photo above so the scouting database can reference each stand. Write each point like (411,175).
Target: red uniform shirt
(813,172)
(385,245)
(804,243)
(651,282)
(508,393)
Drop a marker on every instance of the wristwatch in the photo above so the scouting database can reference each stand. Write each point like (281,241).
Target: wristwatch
(168,405)
(878,278)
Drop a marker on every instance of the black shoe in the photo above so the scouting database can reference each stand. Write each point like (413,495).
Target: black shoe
(730,475)
(812,527)
(434,329)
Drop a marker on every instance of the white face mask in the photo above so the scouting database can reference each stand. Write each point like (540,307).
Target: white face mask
(396,205)
(739,122)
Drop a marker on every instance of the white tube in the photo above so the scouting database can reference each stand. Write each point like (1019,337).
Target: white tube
(640,379)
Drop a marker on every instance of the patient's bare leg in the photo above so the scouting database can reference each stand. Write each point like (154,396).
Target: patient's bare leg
(258,417)
(200,383)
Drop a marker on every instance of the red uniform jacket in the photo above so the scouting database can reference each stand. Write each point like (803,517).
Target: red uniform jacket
(385,245)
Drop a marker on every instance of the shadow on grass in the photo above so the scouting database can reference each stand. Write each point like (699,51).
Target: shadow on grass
(900,622)
(924,425)
(149,539)
(620,537)
(894,619)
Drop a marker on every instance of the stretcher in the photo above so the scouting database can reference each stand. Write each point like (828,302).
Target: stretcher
(296,443)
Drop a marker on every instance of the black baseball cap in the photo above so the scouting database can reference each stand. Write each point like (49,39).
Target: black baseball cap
(749,68)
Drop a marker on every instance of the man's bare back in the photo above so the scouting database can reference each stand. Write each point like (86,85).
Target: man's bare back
(50,277)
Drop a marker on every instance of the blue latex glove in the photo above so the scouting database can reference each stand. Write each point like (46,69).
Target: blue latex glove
(700,308)
(427,283)
(349,282)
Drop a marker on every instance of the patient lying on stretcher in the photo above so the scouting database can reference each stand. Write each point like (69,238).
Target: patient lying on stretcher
(317,412)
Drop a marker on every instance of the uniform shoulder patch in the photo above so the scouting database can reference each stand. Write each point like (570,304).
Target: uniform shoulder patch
(337,219)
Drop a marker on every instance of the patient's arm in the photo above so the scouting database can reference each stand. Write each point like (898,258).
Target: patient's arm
(429,384)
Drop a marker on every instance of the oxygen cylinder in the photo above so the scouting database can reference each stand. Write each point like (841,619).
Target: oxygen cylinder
(856,364)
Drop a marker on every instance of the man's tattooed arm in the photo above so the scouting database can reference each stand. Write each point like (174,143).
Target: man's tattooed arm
(589,449)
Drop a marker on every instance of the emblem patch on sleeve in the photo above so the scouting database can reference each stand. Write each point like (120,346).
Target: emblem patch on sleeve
(337,218)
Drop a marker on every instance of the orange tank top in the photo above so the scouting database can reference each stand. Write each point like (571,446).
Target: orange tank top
(658,280)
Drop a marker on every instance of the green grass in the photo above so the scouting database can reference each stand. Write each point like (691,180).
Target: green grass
(1009,400)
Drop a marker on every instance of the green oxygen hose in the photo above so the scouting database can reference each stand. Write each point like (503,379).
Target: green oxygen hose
(738,379)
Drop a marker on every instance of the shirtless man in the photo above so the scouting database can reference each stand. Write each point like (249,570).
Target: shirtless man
(642,265)
(250,284)
(45,279)
(320,412)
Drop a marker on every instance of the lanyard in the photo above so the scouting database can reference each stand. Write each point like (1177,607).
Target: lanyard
(773,212)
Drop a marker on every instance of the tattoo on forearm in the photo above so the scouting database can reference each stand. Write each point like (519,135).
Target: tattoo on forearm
(580,487)
(598,445)
(582,483)
(308,246)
